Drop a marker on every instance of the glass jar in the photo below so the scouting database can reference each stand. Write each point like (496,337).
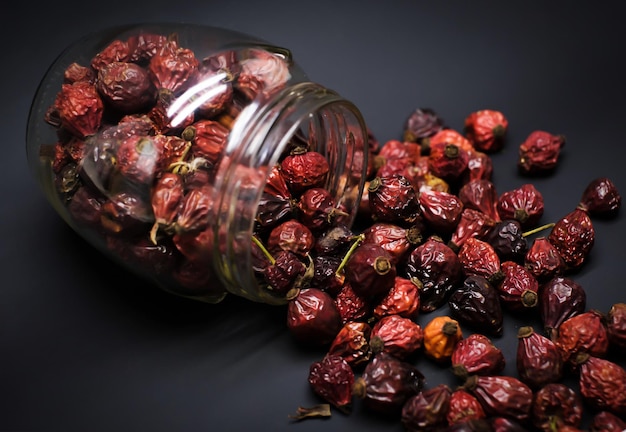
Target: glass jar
(165,146)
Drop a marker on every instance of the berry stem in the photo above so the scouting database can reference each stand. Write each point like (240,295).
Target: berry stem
(261,246)
(355,244)
(536,230)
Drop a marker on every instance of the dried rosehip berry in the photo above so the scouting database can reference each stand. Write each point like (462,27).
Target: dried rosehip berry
(173,68)
(473,223)
(393,199)
(422,123)
(464,408)
(601,198)
(555,405)
(605,421)
(559,299)
(387,383)
(573,237)
(195,209)
(160,114)
(208,139)
(352,343)
(313,318)
(138,159)
(285,273)
(394,150)
(543,260)
(441,210)
(479,166)
(480,195)
(506,424)
(351,306)
(325,274)
(524,204)
(441,334)
(446,136)
(291,235)
(166,197)
(116,50)
(436,270)
(602,383)
(508,240)
(616,326)
(262,73)
(539,153)
(370,271)
(448,161)
(396,335)
(501,395)
(76,72)
(476,355)
(79,108)
(332,379)
(478,258)
(395,239)
(486,129)
(276,202)
(584,332)
(403,299)
(85,207)
(303,169)
(519,289)
(318,209)
(477,304)
(125,87)
(427,410)
(538,359)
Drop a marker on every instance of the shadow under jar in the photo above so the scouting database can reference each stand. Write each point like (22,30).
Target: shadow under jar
(165,146)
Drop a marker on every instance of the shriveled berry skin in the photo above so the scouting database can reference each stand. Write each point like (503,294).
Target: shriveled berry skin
(606,421)
(538,359)
(352,343)
(602,383)
(486,129)
(448,161)
(427,410)
(543,260)
(573,236)
(584,332)
(524,204)
(518,289)
(539,153)
(422,123)
(403,299)
(555,403)
(601,198)
(393,199)
(332,379)
(616,326)
(473,223)
(387,383)
(481,195)
(285,273)
(464,408)
(436,269)
(477,305)
(370,271)
(304,169)
(559,299)
(396,335)
(507,239)
(440,210)
(351,306)
(125,87)
(291,235)
(476,355)
(395,239)
(502,395)
(313,318)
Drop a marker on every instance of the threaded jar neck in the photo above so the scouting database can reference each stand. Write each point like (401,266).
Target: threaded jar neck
(329,124)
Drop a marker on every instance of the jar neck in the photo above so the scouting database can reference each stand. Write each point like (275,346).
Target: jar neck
(262,132)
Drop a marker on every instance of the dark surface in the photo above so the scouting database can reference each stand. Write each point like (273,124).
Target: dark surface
(86,346)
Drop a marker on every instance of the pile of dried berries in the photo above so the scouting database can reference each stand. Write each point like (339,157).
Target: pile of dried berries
(139,171)
(433,232)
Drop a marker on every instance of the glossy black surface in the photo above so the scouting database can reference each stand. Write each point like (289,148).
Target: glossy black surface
(87,346)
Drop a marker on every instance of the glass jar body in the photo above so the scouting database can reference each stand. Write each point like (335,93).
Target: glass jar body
(161,145)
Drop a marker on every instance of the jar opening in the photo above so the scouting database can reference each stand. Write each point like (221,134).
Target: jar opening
(303,115)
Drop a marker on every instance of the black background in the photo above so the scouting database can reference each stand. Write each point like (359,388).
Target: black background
(86,346)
